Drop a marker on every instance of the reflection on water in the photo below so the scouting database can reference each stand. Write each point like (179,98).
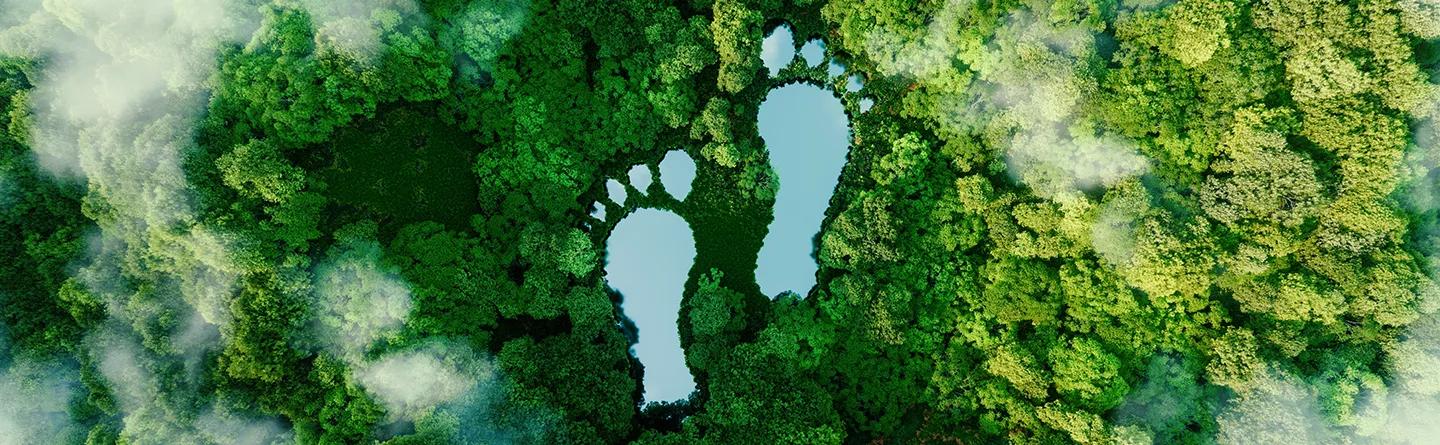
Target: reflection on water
(677,171)
(778,49)
(813,52)
(650,253)
(806,133)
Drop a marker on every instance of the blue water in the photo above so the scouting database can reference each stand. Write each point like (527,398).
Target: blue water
(640,177)
(677,171)
(650,253)
(778,49)
(616,191)
(813,52)
(807,135)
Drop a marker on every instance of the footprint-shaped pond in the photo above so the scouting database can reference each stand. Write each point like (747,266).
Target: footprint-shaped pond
(651,251)
(806,133)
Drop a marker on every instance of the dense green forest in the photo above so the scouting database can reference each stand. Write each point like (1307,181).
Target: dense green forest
(1066,221)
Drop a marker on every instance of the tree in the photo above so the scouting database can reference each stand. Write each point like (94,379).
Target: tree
(736,28)
(1087,375)
(257,170)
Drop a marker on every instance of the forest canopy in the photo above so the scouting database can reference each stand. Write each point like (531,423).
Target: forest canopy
(374,221)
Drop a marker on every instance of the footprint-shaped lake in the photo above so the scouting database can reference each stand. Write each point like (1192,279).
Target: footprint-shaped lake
(807,133)
(651,251)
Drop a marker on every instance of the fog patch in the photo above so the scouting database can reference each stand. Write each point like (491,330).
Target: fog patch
(1279,409)
(118,357)
(450,391)
(152,354)
(1282,409)
(193,340)
(1112,235)
(356,27)
(918,53)
(1421,159)
(115,105)
(1408,419)
(130,371)
(1412,399)
(359,301)
(192,335)
(35,397)
(1166,400)
(1411,406)
(1026,102)
(1037,91)
(413,383)
(232,429)
(482,30)
(122,86)
(207,273)
(1420,189)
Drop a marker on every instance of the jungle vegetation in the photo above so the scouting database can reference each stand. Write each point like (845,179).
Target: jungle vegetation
(1063,221)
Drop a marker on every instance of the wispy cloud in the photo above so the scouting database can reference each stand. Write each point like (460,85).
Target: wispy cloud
(35,398)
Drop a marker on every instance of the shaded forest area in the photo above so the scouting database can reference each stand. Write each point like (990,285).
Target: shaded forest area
(1069,221)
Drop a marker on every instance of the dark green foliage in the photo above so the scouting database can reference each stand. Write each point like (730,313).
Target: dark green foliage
(1064,221)
(406,165)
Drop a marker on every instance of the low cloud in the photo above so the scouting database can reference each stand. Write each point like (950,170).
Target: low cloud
(1360,408)
(917,53)
(359,301)
(1166,400)
(1408,414)
(482,30)
(356,27)
(35,399)
(148,411)
(1057,165)
(115,106)
(1038,90)
(413,383)
(1112,235)
(230,429)
(457,392)
(1280,409)
(1027,101)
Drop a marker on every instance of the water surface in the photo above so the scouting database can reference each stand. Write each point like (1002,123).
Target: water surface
(807,135)
(650,253)
(677,171)
(778,49)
